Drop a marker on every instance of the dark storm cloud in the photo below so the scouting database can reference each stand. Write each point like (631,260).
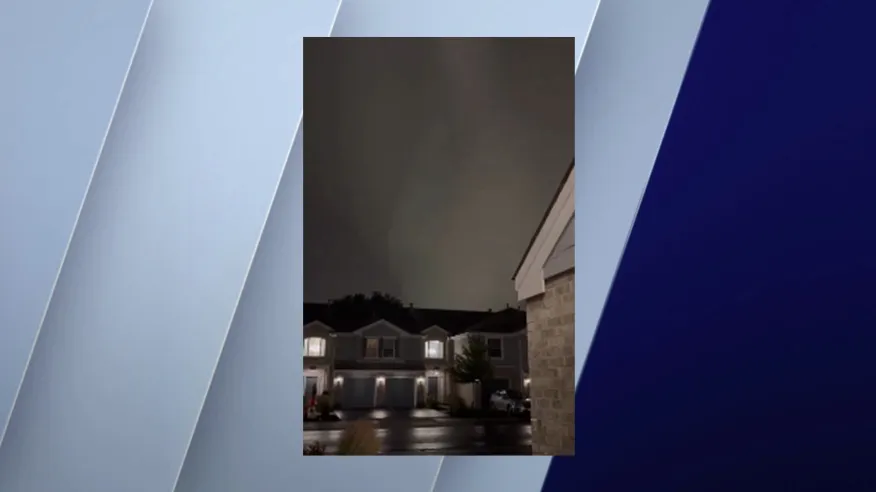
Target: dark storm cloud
(428,163)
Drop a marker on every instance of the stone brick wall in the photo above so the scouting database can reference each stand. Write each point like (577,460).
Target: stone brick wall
(550,320)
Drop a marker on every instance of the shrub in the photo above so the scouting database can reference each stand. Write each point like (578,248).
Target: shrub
(314,448)
(457,405)
(359,438)
(324,404)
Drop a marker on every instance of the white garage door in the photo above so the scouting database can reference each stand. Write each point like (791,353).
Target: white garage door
(399,393)
(358,393)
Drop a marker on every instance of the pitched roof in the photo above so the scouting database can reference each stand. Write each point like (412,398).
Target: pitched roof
(452,321)
(508,320)
(544,217)
(415,320)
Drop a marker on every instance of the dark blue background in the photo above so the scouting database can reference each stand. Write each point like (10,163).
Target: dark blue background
(737,350)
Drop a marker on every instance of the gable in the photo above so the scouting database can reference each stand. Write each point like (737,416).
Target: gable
(435,330)
(316,329)
(562,258)
(529,280)
(381,328)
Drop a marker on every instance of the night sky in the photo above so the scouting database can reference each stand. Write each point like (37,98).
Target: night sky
(428,163)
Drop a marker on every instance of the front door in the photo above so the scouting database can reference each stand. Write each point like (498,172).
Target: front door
(432,388)
(311,382)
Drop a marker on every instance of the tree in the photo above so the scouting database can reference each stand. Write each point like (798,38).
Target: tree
(473,364)
(362,308)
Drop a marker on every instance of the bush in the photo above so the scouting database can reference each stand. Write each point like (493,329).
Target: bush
(457,405)
(359,438)
(324,404)
(314,449)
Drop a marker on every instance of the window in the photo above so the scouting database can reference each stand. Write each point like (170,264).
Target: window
(494,347)
(372,348)
(380,348)
(314,347)
(434,349)
(388,350)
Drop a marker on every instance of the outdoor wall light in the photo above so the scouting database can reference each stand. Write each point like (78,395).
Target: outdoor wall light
(526,382)
(421,380)
(339,380)
(381,379)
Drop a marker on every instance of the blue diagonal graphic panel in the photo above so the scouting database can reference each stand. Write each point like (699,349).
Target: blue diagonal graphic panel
(735,351)
(165,240)
(63,71)
(622,107)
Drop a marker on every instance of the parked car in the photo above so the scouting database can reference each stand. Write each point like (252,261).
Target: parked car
(510,401)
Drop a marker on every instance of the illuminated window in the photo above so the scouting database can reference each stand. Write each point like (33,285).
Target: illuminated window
(372,348)
(314,347)
(434,349)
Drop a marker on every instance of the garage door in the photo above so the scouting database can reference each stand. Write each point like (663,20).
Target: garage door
(358,393)
(399,393)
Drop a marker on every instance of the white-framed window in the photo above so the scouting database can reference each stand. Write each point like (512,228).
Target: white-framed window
(388,350)
(434,349)
(372,348)
(314,347)
(494,348)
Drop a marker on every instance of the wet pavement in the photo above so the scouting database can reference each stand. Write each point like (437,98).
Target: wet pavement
(401,434)
(381,414)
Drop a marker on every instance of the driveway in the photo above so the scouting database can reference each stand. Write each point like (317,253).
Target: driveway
(417,418)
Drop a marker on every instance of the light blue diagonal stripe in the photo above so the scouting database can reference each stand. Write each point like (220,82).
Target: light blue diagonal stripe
(622,107)
(247,437)
(163,245)
(63,71)
(460,18)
